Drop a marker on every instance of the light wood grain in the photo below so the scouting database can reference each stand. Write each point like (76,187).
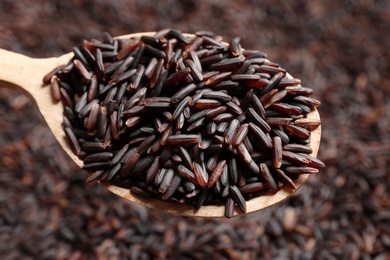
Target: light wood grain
(24,73)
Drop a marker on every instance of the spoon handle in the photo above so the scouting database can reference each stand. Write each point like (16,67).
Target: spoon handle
(16,68)
(23,73)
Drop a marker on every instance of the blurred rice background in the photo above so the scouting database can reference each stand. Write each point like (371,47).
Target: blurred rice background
(338,48)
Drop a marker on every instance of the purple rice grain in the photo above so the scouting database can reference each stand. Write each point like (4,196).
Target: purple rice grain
(102,156)
(218,78)
(260,135)
(167,179)
(258,120)
(294,157)
(186,173)
(278,121)
(308,101)
(94,166)
(176,77)
(173,186)
(183,139)
(180,121)
(223,117)
(231,131)
(253,167)
(212,162)
(184,92)
(200,122)
(298,131)
(153,169)
(73,141)
(178,35)
(211,128)
(192,46)
(129,165)
(218,95)
(286,82)
(238,198)
(215,112)
(112,172)
(244,154)
(309,122)
(287,108)
(285,179)
(205,143)
(210,60)
(155,52)
(222,127)
(202,198)
(298,148)
(207,103)
(195,72)
(273,82)
(313,162)
(277,152)
(265,172)
(150,68)
(201,175)
(212,41)
(298,90)
(180,108)
(229,207)
(153,41)
(300,170)
(55,88)
(66,98)
(253,187)
(234,108)
(240,135)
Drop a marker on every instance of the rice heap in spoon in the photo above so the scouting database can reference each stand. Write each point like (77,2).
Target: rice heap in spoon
(185,118)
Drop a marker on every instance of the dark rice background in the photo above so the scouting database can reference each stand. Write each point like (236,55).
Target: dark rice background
(338,48)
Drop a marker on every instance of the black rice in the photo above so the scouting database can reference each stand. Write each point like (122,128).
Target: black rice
(185,119)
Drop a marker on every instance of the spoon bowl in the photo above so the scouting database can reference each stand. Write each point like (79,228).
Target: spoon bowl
(20,72)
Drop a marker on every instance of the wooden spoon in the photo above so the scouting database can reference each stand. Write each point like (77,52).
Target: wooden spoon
(24,73)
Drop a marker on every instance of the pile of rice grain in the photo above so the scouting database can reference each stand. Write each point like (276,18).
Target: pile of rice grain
(185,118)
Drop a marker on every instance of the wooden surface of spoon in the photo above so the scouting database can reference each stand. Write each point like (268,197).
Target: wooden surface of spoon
(20,72)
